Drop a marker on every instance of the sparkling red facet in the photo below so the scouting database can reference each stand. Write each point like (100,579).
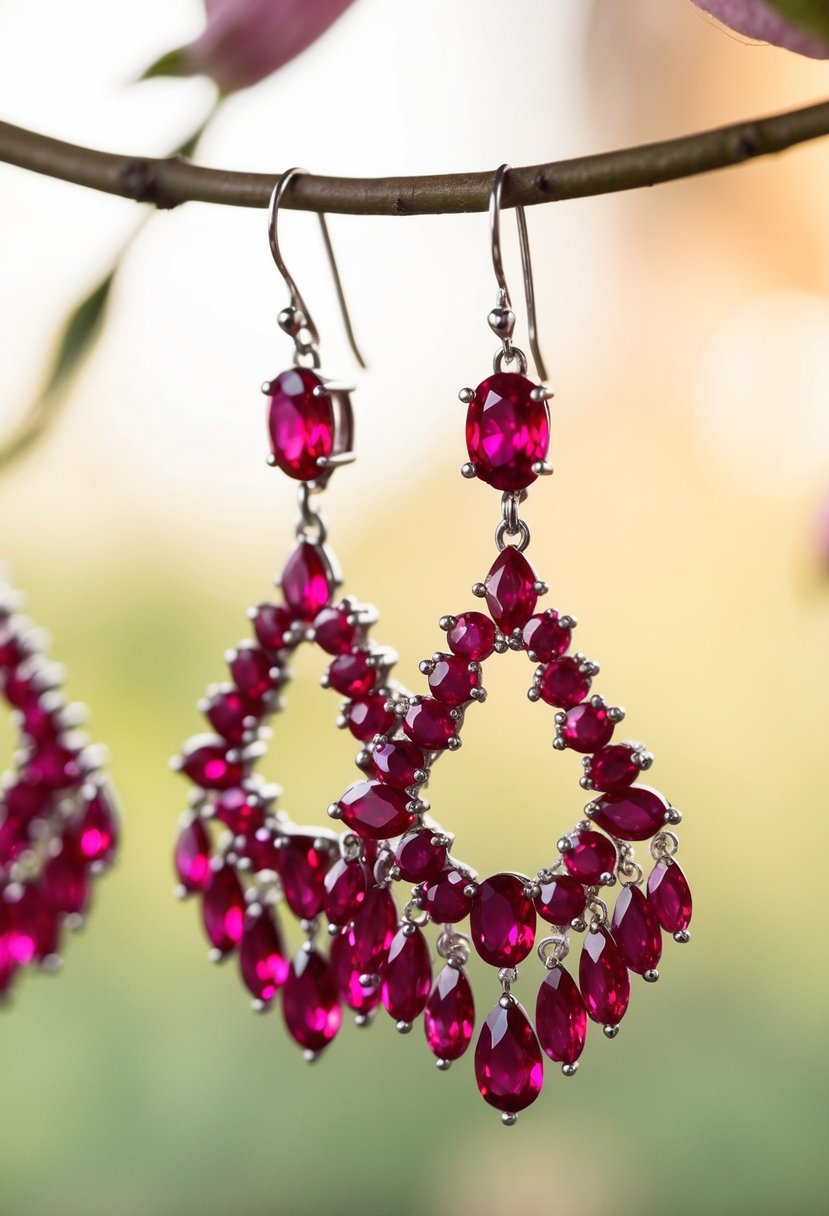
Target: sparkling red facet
(352,675)
(449,1015)
(472,636)
(563,683)
(502,920)
(345,889)
(670,896)
(429,724)
(205,761)
(407,975)
(310,1002)
(545,638)
(306,580)
(368,717)
(591,856)
(304,860)
(560,1017)
(95,836)
(451,681)
(65,887)
(417,856)
(445,898)
(587,727)
(250,668)
(510,590)
(301,425)
(372,929)
(231,714)
(239,810)
(612,768)
(333,632)
(192,857)
(376,811)
(263,960)
(603,978)
(561,899)
(223,910)
(631,814)
(507,431)
(636,931)
(55,767)
(362,998)
(396,763)
(270,624)
(508,1063)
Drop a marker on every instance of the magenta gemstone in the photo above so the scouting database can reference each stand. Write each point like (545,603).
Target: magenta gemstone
(34,927)
(239,810)
(510,590)
(345,889)
(560,1017)
(407,975)
(372,929)
(397,762)
(231,714)
(507,431)
(449,1016)
(362,998)
(670,896)
(65,885)
(508,1062)
(545,638)
(636,931)
(587,727)
(262,957)
(451,681)
(250,668)
(192,857)
(96,833)
(612,768)
(23,685)
(445,898)
(376,811)
(429,724)
(591,856)
(39,724)
(270,624)
(24,801)
(307,581)
(301,426)
(262,850)
(472,636)
(223,910)
(55,767)
(632,814)
(603,978)
(333,632)
(351,675)
(310,1003)
(502,920)
(563,683)
(368,717)
(12,650)
(561,900)
(205,761)
(303,863)
(417,858)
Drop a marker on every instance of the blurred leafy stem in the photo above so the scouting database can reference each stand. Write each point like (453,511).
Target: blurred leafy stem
(812,16)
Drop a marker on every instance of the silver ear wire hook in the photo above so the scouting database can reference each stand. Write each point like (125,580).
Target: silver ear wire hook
(296,320)
(502,318)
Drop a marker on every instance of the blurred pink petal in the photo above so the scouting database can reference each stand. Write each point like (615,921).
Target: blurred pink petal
(245,40)
(762,22)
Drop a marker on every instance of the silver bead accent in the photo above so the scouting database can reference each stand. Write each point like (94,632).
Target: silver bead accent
(403,1027)
(508,1118)
(682,936)
(569,1070)
(651,976)
(610,1032)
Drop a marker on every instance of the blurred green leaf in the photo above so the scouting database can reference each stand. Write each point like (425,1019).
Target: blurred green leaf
(812,16)
(169,64)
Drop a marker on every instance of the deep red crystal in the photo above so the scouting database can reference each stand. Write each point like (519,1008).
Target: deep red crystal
(310,1004)
(263,960)
(670,896)
(307,583)
(223,909)
(631,814)
(587,727)
(508,1064)
(510,590)
(417,857)
(545,638)
(449,1015)
(231,714)
(560,1017)
(429,724)
(34,926)
(345,889)
(472,636)
(192,857)
(603,978)
(451,681)
(445,898)
(612,768)
(333,632)
(205,761)
(563,683)
(636,931)
(507,431)
(561,900)
(55,767)
(352,675)
(368,717)
(591,856)
(376,811)
(372,929)
(64,885)
(397,762)
(40,724)
(362,998)
(407,975)
(239,810)
(301,425)
(270,624)
(95,836)
(304,861)
(250,668)
(502,920)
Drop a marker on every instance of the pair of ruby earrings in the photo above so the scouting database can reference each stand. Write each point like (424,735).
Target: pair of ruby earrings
(391,872)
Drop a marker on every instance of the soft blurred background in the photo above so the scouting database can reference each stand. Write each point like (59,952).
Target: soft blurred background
(687,333)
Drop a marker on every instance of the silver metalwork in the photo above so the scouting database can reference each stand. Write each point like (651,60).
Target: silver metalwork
(554,949)
(501,319)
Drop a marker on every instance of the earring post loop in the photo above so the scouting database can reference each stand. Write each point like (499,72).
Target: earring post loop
(526,262)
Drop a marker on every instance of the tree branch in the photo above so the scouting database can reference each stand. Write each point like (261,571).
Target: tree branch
(166,182)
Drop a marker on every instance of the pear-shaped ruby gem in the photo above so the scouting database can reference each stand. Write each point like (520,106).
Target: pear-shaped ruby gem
(351,675)
(502,920)
(55,767)
(303,863)
(223,910)
(205,761)
(508,1063)
(239,810)
(345,889)
(64,885)
(451,680)
(510,590)
(362,998)
(586,727)
(192,857)
(612,768)
(545,637)
(560,1017)
(418,857)
(670,896)
(270,624)
(507,431)
(95,836)
(34,927)
(429,724)
(445,898)
(472,636)
(560,899)
(261,847)
(263,960)
(407,975)
(333,631)
(590,856)
(250,668)
(372,929)
(397,763)
(376,811)
(563,683)
(310,1003)
(368,717)
(449,1016)
(603,978)
(307,582)
(631,814)
(301,423)
(231,714)
(636,931)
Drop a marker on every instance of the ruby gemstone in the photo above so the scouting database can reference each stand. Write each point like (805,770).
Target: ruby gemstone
(223,910)
(310,1004)
(670,896)
(451,681)
(352,675)
(231,714)
(417,857)
(507,431)
(345,889)
(362,998)
(270,624)
(502,920)
(34,927)
(55,767)
(368,717)
(472,636)
(449,1016)
(302,868)
(12,650)
(65,887)
(204,760)
(603,978)
(301,425)
(612,768)
(261,849)
(333,632)
(591,856)
(631,814)
(39,724)
(510,590)
(445,898)
(429,724)
(508,1063)
(376,811)
(372,929)
(587,727)
(561,900)
(262,957)
(563,683)
(636,931)
(192,857)
(95,836)
(239,811)
(250,668)
(397,762)
(560,1017)
(307,582)
(407,975)
(545,638)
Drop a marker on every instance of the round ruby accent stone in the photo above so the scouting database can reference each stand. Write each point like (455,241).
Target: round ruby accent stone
(376,811)
(417,857)
(591,856)
(345,889)
(301,425)
(303,863)
(587,727)
(270,624)
(54,766)
(612,768)
(510,590)
(223,910)
(507,431)
(407,975)
(563,683)
(472,636)
(502,920)
(261,849)
(368,717)
(204,760)
(445,898)
(396,763)
(545,638)
(239,810)
(262,958)
(603,978)
(250,668)
(636,931)
(451,681)
(307,582)
(362,998)
(372,929)
(231,714)
(670,896)
(449,1016)
(560,1017)
(333,632)
(632,814)
(429,724)
(561,900)
(310,1004)
(508,1063)
(352,675)
(192,857)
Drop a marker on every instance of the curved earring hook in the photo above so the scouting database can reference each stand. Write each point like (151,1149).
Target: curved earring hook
(526,263)
(302,318)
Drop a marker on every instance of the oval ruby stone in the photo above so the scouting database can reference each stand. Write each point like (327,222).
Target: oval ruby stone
(310,1004)
(449,1016)
(351,675)
(270,624)
(591,856)
(508,1064)
(12,650)
(445,898)
(563,683)
(39,724)
(633,814)
(307,582)
(204,760)
(472,636)
(345,889)
(507,431)
(34,927)
(560,1017)
(192,857)
(451,681)
(510,590)
(262,957)
(562,899)
(262,850)
(372,929)
(670,896)
(65,887)
(587,727)
(397,763)
(612,768)
(407,975)
(239,810)
(223,910)
(362,998)
(96,834)
(54,766)
(417,857)
(302,868)
(230,714)
(603,978)
(368,717)
(636,931)
(502,920)
(376,811)
(250,668)
(301,425)
(545,638)
(333,632)
(429,724)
